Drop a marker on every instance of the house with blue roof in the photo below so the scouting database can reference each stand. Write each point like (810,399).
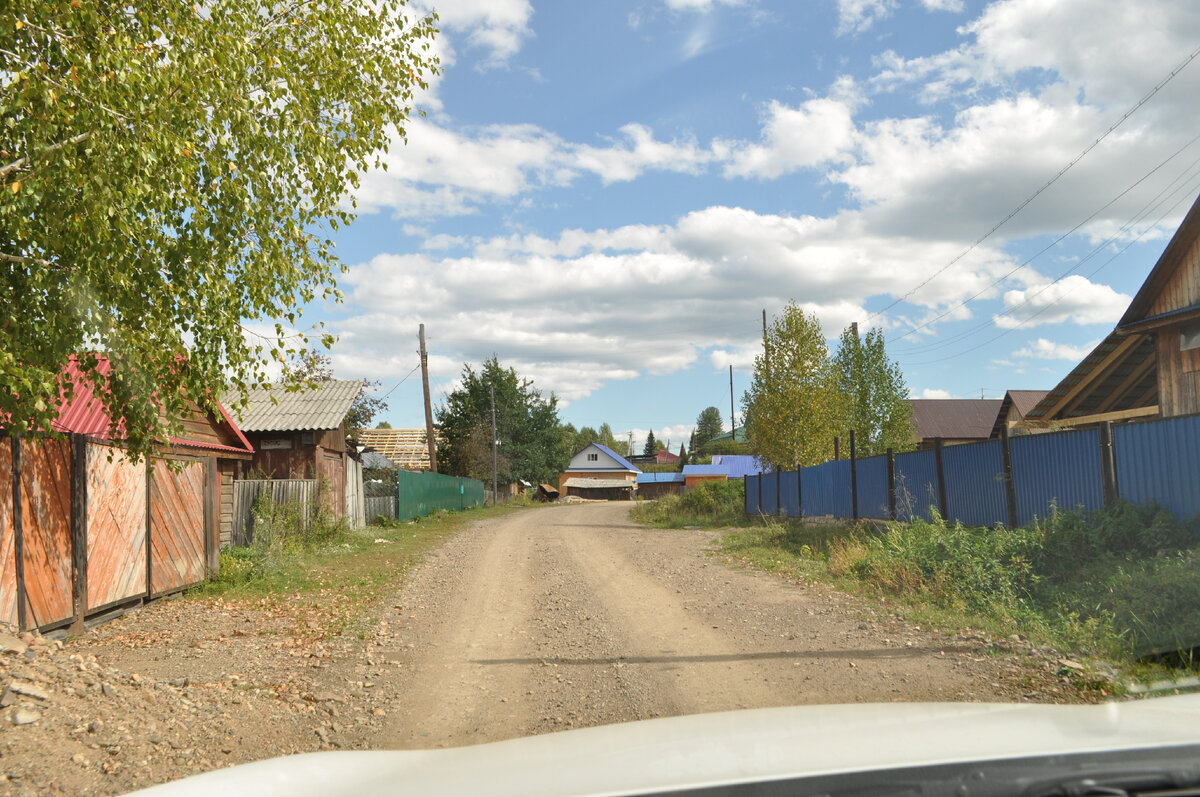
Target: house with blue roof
(598,472)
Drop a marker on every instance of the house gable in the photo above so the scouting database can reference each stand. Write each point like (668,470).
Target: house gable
(1172,288)
(596,457)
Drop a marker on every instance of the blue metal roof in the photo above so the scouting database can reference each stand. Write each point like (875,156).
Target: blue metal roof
(659,478)
(704,470)
(739,466)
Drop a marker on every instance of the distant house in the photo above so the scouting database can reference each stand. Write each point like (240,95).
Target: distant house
(953,420)
(738,435)
(596,471)
(1149,366)
(695,474)
(302,434)
(739,466)
(1013,409)
(406,448)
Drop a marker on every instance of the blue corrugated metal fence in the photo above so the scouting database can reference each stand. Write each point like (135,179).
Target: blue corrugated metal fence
(1154,461)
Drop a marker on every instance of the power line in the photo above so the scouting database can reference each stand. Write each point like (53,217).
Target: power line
(1149,95)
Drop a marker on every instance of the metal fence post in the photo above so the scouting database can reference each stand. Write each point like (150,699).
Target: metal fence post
(853,478)
(943,503)
(891,483)
(778,492)
(799,494)
(1108,465)
(1010,487)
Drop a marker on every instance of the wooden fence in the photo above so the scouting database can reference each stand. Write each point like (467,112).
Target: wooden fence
(83,528)
(280,492)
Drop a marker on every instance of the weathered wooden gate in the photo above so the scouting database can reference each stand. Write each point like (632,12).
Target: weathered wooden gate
(83,529)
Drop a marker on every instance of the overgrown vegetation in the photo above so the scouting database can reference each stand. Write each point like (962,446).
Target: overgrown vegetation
(710,504)
(1118,584)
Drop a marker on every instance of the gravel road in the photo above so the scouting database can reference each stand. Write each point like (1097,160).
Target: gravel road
(542,620)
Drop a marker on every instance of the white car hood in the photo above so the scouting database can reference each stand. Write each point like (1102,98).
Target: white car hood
(718,749)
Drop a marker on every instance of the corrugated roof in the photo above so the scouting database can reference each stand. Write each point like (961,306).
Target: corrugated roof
(322,407)
(739,466)
(704,470)
(405,447)
(659,478)
(620,459)
(738,435)
(954,419)
(85,413)
(377,461)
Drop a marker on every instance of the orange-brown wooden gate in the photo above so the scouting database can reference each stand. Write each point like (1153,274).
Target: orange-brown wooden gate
(82,528)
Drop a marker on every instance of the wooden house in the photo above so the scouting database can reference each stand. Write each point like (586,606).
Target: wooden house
(596,471)
(1149,365)
(1015,405)
(301,434)
(953,420)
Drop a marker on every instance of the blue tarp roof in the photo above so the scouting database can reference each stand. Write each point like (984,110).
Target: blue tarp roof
(659,478)
(739,466)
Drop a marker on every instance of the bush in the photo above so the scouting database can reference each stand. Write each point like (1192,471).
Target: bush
(710,504)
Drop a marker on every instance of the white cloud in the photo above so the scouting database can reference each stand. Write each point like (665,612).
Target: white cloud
(1043,349)
(740,359)
(639,152)
(953,6)
(701,6)
(498,27)
(1074,299)
(934,393)
(819,131)
(856,16)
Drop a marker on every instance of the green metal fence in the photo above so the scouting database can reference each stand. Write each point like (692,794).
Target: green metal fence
(419,494)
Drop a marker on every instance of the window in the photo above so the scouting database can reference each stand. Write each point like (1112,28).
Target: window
(593,457)
(1189,337)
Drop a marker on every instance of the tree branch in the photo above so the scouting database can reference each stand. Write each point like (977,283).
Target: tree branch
(23,161)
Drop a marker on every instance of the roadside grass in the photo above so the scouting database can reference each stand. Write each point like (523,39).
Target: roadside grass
(326,572)
(1117,585)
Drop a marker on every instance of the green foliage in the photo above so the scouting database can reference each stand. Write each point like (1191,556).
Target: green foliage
(791,408)
(171,169)
(709,504)
(708,426)
(533,446)
(651,445)
(872,395)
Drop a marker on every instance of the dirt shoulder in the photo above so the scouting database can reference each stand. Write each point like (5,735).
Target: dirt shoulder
(549,619)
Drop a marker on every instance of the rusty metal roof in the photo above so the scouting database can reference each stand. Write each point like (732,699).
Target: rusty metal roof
(405,448)
(322,407)
(954,419)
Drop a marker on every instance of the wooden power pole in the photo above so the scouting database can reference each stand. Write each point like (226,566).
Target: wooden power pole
(430,438)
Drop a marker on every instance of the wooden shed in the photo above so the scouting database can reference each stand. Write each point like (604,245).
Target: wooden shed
(301,434)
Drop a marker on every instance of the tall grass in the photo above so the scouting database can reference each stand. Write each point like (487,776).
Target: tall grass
(710,504)
(1120,582)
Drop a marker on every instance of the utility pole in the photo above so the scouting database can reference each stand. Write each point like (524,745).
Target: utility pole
(430,439)
(495,443)
(732,420)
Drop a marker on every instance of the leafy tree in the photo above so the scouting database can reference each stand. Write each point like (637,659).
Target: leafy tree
(311,367)
(171,169)
(527,426)
(872,395)
(791,413)
(708,426)
(651,445)
(383,425)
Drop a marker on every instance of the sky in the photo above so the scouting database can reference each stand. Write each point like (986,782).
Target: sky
(607,196)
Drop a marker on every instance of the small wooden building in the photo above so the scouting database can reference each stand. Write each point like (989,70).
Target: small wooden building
(696,474)
(301,434)
(597,469)
(953,420)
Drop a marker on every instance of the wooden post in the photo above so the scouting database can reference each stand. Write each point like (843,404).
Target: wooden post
(149,545)
(1108,465)
(943,503)
(79,531)
(853,478)
(430,437)
(18,533)
(778,492)
(799,493)
(212,513)
(891,481)
(1010,487)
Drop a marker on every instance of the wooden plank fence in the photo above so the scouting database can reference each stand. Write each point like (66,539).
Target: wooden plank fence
(302,492)
(77,520)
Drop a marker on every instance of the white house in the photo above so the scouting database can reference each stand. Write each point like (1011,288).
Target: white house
(597,471)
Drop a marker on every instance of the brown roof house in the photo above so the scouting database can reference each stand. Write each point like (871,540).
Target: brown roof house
(953,420)
(1149,366)
(1013,409)
(301,434)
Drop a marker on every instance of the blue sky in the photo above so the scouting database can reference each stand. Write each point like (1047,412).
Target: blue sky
(608,195)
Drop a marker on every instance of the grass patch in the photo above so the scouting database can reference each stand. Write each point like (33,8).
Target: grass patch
(1118,584)
(708,505)
(332,572)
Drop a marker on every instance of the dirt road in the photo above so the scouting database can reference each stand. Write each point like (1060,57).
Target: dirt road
(543,620)
(572,616)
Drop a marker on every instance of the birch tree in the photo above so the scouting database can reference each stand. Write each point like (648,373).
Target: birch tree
(169,171)
(873,395)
